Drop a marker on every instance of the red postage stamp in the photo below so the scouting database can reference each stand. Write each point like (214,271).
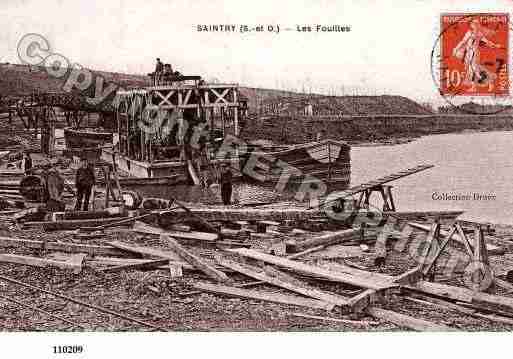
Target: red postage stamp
(474,54)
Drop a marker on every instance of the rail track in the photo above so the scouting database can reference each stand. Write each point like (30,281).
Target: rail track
(66,298)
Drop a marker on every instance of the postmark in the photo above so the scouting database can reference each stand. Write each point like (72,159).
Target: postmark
(470,61)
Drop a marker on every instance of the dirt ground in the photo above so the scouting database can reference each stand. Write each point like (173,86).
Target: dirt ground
(173,305)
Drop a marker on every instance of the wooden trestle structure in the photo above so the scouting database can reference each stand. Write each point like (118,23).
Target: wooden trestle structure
(171,129)
(38,111)
(379,185)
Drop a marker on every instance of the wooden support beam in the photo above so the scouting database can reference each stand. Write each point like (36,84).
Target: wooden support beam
(432,262)
(464,240)
(36,262)
(246,214)
(429,243)
(116,262)
(120,222)
(406,321)
(144,228)
(359,281)
(153,264)
(97,223)
(279,279)
(328,239)
(196,261)
(305,252)
(443,304)
(492,249)
(7,242)
(336,320)
(264,296)
(146,251)
(370,296)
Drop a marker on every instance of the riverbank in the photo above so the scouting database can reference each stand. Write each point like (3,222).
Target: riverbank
(357,130)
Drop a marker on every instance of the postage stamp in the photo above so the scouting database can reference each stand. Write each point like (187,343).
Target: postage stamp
(474,53)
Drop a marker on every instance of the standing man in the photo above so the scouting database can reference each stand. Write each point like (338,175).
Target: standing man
(159,68)
(84,181)
(27,162)
(226,184)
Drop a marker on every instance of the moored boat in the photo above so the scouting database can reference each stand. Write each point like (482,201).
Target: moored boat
(328,161)
(86,138)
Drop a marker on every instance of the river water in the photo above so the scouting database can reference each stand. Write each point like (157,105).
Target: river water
(465,164)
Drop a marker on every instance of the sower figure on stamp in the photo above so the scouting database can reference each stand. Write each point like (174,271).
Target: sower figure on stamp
(468,50)
(226,184)
(84,182)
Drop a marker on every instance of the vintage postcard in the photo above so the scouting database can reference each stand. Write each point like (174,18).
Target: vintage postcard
(323,168)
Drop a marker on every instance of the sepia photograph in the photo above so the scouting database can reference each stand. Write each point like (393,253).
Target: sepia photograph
(333,167)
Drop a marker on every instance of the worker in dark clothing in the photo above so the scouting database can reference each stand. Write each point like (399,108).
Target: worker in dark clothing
(159,68)
(27,162)
(226,184)
(84,182)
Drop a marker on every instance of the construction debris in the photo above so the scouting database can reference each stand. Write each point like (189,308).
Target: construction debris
(324,266)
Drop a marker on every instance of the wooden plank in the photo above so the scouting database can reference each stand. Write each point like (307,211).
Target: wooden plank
(141,227)
(444,290)
(7,242)
(113,261)
(118,222)
(406,321)
(336,320)
(305,252)
(71,224)
(443,304)
(382,180)
(153,264)
(495,302)
(359,281)
(35,262)
(196,261)
(429,243)
(278,280)
(146,251)
(263,296)
(439,251)
(246,214)
(328,239)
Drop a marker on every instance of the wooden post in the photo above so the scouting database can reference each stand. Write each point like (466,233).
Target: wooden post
(390,197)
(107,185)
(236,114)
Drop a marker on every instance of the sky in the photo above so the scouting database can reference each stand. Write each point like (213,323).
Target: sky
(387,51)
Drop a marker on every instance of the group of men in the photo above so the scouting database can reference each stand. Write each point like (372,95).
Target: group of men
(161,71)
(85,181)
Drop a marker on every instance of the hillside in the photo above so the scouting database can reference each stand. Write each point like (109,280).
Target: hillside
(343,105)
(20,79)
